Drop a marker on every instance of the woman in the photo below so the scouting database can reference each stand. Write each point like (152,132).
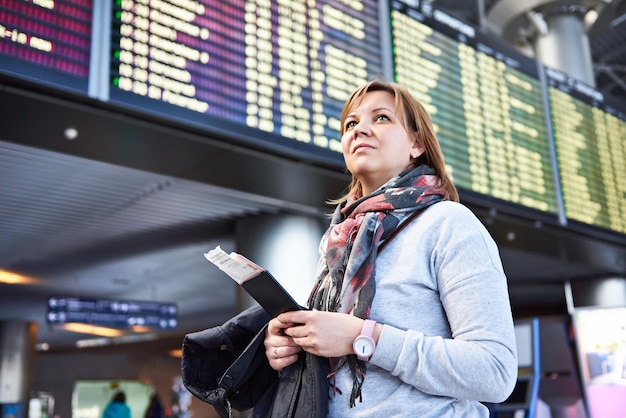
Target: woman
(439,335)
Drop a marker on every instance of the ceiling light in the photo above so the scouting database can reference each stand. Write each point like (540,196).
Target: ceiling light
(42,347)
(91,329)
(9,277)
(71,133)
(176,353)
(590,17)
(140,329)
(93,342)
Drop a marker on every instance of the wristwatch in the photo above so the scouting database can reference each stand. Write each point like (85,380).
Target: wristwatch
(364,345)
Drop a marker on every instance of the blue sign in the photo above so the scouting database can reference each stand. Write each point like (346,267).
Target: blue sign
(112,313)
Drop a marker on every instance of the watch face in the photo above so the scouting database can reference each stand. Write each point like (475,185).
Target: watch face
(363,347)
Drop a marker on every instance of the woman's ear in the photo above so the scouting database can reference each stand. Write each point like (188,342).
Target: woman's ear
(417,148)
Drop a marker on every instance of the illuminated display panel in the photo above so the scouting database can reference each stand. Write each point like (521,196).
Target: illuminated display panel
(601,346)
(48,41)
(486,103)
(275,70)
(112,313)
(590,139)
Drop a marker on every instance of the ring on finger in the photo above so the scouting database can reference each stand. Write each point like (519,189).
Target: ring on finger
(276,352)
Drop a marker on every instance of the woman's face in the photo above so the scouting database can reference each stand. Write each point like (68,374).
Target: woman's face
(375,144)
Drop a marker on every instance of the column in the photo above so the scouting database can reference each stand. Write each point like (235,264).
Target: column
(565,46)
(17,340)
(285,245)
(559,39)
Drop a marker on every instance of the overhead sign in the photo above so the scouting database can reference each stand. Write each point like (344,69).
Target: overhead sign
(112,313)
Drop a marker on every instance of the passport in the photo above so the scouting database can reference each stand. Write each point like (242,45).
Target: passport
(255,280)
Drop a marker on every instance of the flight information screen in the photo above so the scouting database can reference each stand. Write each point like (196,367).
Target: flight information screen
(486,103)
(47,41)
(278,68)
(112,313)
(590,139)
(275,74)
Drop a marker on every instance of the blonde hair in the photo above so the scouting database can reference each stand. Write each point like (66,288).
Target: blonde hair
(416,120)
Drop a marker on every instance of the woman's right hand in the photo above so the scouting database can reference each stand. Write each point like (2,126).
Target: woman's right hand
(280,349)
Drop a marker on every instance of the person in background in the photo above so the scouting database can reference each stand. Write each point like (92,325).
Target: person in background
(117,408)
(155,409)
(422,327)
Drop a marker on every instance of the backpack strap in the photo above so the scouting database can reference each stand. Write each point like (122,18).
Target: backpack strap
(398,229)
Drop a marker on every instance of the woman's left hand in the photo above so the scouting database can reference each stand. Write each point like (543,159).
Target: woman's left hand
(327,334)
(280,349)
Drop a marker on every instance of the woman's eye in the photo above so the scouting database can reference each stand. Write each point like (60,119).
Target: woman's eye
(350,124)
(382,117)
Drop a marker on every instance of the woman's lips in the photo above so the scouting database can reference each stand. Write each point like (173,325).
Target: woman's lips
(361,146)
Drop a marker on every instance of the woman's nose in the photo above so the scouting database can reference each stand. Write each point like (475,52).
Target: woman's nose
(363,128)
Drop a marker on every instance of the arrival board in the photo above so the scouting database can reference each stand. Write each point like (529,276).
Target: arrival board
(278,67)
(486,103)
(47,41)
(590,138)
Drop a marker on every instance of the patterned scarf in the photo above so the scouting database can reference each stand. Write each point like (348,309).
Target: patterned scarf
(345,280)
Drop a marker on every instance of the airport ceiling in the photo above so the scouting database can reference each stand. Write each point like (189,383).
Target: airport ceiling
(80,224)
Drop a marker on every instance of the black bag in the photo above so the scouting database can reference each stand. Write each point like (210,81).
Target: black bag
(226,367)
(303,389)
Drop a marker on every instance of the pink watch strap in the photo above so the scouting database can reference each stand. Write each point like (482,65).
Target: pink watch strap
(368,328)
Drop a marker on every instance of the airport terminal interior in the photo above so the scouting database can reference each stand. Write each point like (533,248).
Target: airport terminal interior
(137,135)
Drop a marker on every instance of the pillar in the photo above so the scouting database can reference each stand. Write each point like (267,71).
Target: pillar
(286,246)
(558,37)
(565,46)
(17,341)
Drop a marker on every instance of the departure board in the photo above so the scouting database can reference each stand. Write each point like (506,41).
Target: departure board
(486,103)
(48,41)
(281,68)
(112,313)
(590,140)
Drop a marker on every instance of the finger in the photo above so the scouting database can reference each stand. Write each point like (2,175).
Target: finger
(294,317)
(282,362)
(286,351)
(297,331)
(275,327)
(278,352)
(279,341)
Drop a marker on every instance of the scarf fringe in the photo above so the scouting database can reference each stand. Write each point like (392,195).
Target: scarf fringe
(358,369)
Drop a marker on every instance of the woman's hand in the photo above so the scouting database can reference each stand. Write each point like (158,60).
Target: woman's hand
(280,349)
(327,334)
